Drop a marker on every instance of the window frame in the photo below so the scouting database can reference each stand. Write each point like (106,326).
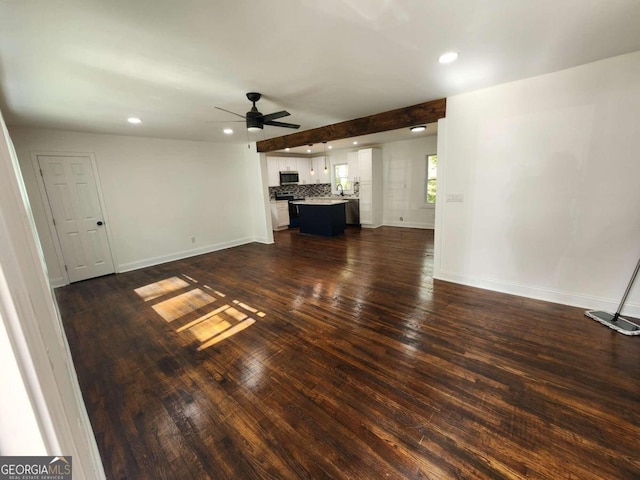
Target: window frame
(346,185)
(427,180)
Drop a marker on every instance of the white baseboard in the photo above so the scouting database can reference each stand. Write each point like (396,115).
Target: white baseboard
(149,262)
(424,226)
(588,302)
(263,240)
(57,282)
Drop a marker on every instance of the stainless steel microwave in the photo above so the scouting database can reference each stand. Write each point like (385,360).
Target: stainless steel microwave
(289,178)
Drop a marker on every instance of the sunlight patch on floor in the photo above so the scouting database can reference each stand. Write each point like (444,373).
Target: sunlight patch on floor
(158,289)
(182,304)
(208,329)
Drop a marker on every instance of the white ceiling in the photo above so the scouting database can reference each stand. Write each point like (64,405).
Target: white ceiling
(87,65)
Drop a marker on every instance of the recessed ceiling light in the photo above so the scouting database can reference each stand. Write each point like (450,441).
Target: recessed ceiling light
(330,146)
(134,120)
(448,57)
(418,128)
(287,149)
(308,150)
(228,131)
(355,143)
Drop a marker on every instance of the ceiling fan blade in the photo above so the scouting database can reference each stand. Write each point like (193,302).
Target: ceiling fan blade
(274,116)
(282,124)
(233,113)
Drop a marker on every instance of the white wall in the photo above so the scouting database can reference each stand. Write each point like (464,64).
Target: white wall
(158,194)
(41,408)
(404,177)
(549,169)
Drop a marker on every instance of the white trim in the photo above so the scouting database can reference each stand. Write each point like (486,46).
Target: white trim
(149,262)
(58,282)
(442,184)
(424,226)
(35,330)
(44,199)
(548,295)
(264,240)
(426,182)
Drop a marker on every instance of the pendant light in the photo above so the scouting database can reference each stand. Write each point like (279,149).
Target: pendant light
(325,157)
(311,159)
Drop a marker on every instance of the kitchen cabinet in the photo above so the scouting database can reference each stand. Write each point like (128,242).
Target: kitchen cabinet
(370,178)
(353,160)
(303,167)
(318,167)
(275,165)
(287,164)
(280,214)
(273,171)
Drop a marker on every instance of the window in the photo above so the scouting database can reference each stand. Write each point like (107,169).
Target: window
(431,179)
(342,176)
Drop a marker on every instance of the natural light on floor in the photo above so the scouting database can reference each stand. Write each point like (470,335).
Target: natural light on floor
(222,322)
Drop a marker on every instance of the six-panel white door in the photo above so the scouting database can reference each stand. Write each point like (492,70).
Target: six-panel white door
(79,222)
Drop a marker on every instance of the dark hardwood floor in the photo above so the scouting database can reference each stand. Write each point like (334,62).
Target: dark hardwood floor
(343,358)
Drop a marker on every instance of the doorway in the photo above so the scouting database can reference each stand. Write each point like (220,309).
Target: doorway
(77,216)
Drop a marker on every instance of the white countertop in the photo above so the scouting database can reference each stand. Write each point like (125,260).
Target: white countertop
(320,201)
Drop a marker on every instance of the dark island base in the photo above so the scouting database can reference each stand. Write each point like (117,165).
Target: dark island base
(325,220)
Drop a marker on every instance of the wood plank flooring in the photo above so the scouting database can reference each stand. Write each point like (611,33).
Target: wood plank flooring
(342,358)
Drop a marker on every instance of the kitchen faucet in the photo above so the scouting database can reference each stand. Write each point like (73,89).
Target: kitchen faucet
(339,186)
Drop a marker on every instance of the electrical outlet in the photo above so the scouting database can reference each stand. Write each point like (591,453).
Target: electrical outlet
(455,197)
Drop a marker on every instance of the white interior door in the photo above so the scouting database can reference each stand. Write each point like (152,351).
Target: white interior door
(77,215)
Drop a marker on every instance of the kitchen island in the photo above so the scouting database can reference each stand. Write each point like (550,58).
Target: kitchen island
(322,217)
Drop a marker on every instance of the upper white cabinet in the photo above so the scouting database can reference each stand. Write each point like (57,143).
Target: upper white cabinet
(273,171)
(303,167)
(318,170)
(287,164)
(354,166)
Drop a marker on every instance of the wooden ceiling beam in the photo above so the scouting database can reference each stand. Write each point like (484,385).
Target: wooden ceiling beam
(422,113)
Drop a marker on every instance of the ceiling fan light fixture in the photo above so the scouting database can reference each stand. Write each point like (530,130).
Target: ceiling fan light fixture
(418,128)
(256,120)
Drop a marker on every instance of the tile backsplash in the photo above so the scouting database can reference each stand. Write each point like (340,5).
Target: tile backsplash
(311,190)
(300,191)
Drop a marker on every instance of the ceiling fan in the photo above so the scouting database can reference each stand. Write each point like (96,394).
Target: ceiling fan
(256,120)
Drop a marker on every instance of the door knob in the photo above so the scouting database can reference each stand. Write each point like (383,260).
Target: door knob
(100,224)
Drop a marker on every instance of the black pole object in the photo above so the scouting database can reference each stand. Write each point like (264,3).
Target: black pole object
(615,321)
(626,292)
